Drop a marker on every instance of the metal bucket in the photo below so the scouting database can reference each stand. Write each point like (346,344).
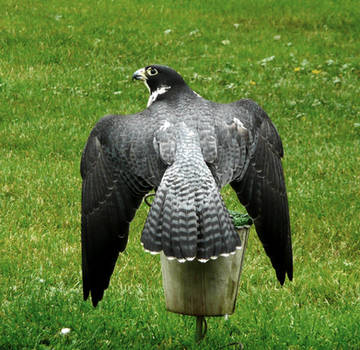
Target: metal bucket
(204,289)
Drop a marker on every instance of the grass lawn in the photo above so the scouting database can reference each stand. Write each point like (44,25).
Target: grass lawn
(64,64)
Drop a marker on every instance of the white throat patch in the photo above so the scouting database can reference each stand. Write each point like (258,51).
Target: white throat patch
(159,91)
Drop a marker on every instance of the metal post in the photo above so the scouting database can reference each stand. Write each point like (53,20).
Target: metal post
(200,331)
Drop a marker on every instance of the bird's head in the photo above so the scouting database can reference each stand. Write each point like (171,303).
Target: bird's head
(159,80)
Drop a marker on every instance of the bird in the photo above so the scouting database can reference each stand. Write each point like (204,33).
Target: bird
(185,148)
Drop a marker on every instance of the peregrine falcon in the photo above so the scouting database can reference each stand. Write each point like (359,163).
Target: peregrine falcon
(186,148)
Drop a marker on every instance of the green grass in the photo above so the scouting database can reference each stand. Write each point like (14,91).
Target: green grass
(64,64)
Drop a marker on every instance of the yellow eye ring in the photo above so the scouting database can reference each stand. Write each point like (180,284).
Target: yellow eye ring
(152,71)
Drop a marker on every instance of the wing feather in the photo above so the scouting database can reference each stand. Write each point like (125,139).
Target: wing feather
(259,179)
(112,191)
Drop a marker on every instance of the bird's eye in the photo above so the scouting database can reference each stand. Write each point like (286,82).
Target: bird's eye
(152,71)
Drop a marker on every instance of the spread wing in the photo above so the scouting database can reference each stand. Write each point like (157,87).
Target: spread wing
(118,168)
(251,162)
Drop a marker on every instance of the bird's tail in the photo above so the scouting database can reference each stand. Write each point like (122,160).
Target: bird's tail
(188,218)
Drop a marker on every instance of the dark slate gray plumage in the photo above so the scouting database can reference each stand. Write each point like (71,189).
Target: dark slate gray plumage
(187,149)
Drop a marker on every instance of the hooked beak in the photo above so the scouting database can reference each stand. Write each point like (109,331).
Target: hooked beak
(140,75)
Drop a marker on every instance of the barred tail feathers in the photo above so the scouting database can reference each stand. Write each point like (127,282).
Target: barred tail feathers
(188,219)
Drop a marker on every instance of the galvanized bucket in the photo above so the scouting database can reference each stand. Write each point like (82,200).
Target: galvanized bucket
(204,289)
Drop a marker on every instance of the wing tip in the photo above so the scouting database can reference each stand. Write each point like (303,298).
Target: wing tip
(290,275)
(281,275)
(96,295)
(94,302)
(85,294)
